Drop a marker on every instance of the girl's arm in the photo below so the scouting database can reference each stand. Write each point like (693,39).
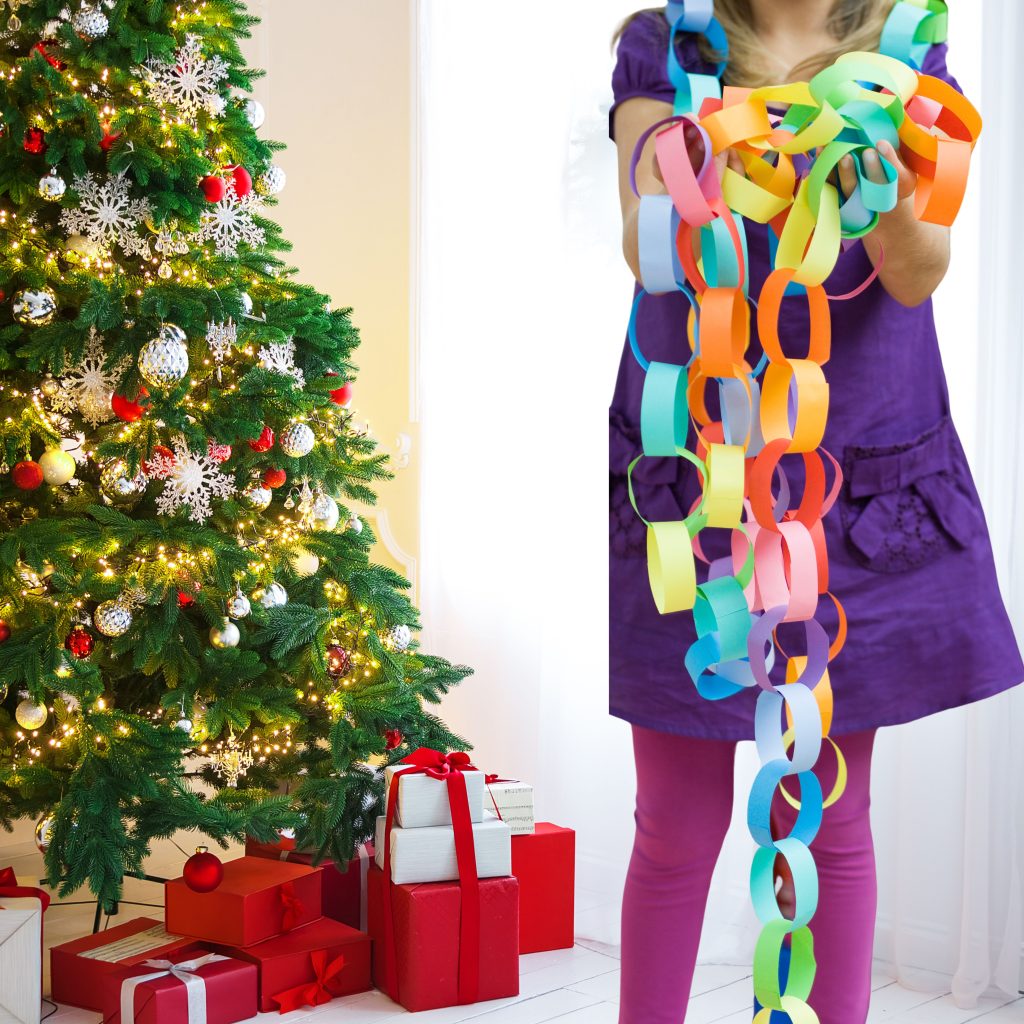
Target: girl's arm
(914,255)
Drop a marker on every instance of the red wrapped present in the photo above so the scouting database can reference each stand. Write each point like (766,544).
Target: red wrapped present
(257,900)
(206,989)
(545,864)
(301,968)
(344,891)
(78,969)
(424,972)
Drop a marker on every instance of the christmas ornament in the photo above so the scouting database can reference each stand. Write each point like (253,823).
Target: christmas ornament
(213,188)
(57,465)
(107,214)
(27,476)
(297,441)
(161,461)
(163,360)
(43,48)
(232,760)
(274,478)
(219,452)
(242,181)
(113,618)
(185,600)
(245,301)
(34,307)
(239,606)
(305,563)
(325,513)
(90,23)
(264,442)
(5,635)
(193,480)
(274,596)
(397,638)
(109,138)
(88,387)
(127,410)
(257,497)
(83,246)
(30,715)
(225,635)
(79,642)
(203,872)
(35,141)
(184,725)
(52,186)
(271,181)
(254,112)
(342,396)
(188,81)
(354,523)
(230,223)
(44,832)
(339,661)
(392,739)
(118,486)
(222,338)
(280,358)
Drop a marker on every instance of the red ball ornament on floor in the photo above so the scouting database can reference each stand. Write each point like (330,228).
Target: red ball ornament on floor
(5,632)
(243,181)
(213,187)
(274,478)
(203,872)
(27,475)
(35,141)
(392,738)
(264,442)
(79,642)
(127,410)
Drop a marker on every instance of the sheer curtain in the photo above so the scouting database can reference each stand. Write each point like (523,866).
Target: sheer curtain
(523,302)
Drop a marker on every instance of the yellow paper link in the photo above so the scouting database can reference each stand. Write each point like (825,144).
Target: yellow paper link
(842,774)
(724,486)
(853,68)
(809,244)
(671,567)
(752,200)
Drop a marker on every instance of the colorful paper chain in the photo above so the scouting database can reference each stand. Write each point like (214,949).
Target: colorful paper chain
(779,566)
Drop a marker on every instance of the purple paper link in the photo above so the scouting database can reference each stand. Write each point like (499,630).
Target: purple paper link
(759,635)
(817,653)
(720,567)
(802,164)
(782,500)
(639,148)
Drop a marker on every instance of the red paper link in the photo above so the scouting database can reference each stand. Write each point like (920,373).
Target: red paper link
(447,768)
(313,993)
(291,906)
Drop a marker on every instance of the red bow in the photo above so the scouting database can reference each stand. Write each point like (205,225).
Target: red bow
(9,887)
(490,780)
(291,906)
(437,765)
(313,993)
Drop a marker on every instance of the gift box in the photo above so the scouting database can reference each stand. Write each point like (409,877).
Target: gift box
(343,892)
(423,800)
(78,969)
(21,959)
(428,854)
(512,801)
(157,991)
(257,900)
(426,949)
(545,865)
(307,958)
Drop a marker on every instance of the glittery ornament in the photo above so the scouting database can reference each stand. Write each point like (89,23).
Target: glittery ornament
(79,642)
(30,715)
(274,596)
(34,307)
(274,478)
(57,465)
(163,361)
(44,832)
(203,872)
(397,638)
(27,476)
(264,442)
(225,635)
(184,725)
(254,112)
(90,23)
(82,245)
(35,141)
(325,513)
(113,618)
(219,452)
(271,181)
(118,486)
(257,497)
(297,441)
(239,606)
(339,661)
(52,186)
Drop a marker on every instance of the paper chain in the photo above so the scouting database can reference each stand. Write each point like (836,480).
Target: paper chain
(779,566)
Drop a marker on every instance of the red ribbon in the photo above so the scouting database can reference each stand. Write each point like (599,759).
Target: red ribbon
(447,768)
(291,906)
(313,993)
(9,887)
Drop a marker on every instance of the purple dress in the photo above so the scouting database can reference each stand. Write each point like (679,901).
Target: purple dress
(909,553)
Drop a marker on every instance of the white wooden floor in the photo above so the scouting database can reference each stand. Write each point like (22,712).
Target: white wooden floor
(572,986)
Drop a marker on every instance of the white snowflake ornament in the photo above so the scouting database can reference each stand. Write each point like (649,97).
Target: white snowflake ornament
(88,388)
(107,215)
(229,223)
(281,359)
(192,481)
(189,82)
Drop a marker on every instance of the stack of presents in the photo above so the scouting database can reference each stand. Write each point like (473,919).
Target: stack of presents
(459,882)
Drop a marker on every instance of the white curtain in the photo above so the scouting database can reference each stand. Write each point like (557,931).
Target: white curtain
(523,301)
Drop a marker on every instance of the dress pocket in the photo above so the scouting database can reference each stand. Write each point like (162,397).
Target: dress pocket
(907,504)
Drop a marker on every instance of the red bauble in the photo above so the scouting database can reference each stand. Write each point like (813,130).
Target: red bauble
(392,738)
(219,452)
(79,642)
(158,449)
(185,600)
(339,661)
(35,141)
(264,442)
(5,632)
(203,872)
(342,395)
(108,138)
(43,48)
(243,181)
(274,478)
(213,187)
(127,410)
(27,475)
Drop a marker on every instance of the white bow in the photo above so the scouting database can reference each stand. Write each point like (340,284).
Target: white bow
(184,972)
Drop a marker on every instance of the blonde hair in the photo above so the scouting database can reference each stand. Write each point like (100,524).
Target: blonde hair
(854,24)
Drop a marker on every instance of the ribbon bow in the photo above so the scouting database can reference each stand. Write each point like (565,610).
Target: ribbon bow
(490,780)
(291,906)
(438,765)
(9,887)
(186,972)
(313,993)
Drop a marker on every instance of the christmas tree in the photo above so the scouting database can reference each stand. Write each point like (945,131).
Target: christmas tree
(188,610)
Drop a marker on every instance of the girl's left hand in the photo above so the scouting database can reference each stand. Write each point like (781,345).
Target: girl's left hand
(906,178)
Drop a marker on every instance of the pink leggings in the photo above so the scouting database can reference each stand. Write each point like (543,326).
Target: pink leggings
(683,808)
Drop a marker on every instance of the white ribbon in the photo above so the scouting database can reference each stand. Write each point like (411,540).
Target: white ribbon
(185,973)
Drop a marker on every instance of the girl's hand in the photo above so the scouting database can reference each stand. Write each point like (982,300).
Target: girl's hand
(906,178)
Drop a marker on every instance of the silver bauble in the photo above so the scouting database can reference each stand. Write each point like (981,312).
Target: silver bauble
(304,562)
(271,181)
(52,186)
(254,112)
(90,23)
(354,523)
(57,465)
(183,725)
(325,513)
(84,246)
(257,497)
(246,302)
(225,635)
(239,606)
(398,638)
(163,360)
(34,307)
(297,440)
(274,596)
(44,831)
(30,715)
(117,486)
(113,618)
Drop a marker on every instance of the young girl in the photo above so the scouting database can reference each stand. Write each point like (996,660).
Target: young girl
(908,549)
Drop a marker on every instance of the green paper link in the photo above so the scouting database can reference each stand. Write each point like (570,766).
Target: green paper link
(805,882)
(802,965)
(721,608)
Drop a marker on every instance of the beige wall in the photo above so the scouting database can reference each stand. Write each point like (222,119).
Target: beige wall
(338,92)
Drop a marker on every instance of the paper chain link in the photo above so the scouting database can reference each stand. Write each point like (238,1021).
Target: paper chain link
(779,566)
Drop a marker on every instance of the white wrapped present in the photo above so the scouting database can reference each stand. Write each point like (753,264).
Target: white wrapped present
(512,801)
(21,924)
(423,801)
(428,854)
